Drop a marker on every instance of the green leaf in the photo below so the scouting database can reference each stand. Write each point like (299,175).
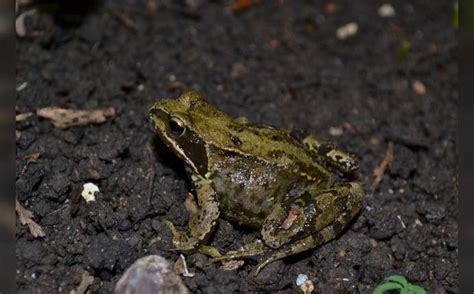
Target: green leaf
(386,287)
(398,279)
(415,289)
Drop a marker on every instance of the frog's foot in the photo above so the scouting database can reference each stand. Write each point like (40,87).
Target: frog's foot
(251,249)
(325,215)
(293,248)
(338,159)
(309,242)
(209,251)
(202,222)
(182,241)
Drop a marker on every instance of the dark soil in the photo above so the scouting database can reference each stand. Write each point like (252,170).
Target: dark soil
(278,63)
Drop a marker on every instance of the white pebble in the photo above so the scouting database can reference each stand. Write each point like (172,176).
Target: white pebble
(88,192)
(347,30)
(386,10)
(301,279)
(335,131)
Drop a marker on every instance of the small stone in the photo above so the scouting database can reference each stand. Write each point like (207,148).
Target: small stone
(150,274)
(88,192)
(386,10)
(419,88)
(300,279)
(335,131)
(347,30)
(373,243)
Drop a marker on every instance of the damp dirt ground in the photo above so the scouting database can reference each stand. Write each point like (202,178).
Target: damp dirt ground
(278,63)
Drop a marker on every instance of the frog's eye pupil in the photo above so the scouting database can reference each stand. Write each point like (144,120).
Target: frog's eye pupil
(176,128)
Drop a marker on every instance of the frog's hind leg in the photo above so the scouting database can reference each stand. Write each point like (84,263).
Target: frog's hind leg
(202,221)
(334,210)
(251,249)
(338,159)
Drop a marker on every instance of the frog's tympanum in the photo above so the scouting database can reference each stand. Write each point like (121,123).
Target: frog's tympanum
(292,190)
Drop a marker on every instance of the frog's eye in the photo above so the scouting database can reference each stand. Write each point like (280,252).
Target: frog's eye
(176,127)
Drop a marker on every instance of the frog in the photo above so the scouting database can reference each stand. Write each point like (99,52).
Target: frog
(295,191)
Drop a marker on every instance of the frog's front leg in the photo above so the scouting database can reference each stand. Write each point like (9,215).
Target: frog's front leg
(338,159)
(310,221)
(202,221)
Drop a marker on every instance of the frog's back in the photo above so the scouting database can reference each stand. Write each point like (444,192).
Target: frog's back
(264,142)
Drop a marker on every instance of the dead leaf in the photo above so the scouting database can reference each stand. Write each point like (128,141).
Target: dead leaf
(350,127)
(241,5)
(65,118)
(380,170)
(180,267)
(23,116)
(86,281)
(26,218)
(92,172)
(20,26)
(18,135)
(32,157)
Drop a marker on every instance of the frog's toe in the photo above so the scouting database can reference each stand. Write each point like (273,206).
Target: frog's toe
(186,247)
(258,268)
(181,241)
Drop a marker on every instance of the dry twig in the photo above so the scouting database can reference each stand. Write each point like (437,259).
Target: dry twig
(380,170)
(65,118)
(33,157)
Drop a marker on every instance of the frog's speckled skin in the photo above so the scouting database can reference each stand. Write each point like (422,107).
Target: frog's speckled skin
(257,176)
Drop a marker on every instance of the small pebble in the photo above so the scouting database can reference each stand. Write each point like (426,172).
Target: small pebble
(300,279)
(419,88)
(335,131)
(347,30)
(386,10)
(88,192)
(150,274)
